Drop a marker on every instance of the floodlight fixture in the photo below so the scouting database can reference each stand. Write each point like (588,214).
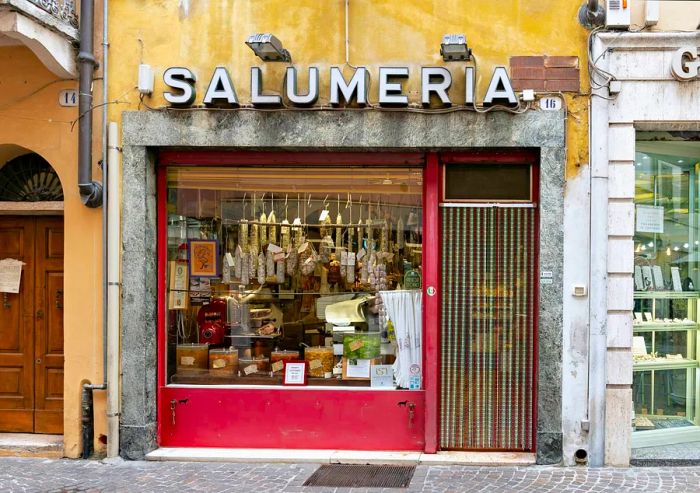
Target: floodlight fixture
(454,48)
(268,47)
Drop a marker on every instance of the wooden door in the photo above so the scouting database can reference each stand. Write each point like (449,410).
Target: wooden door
(31,327)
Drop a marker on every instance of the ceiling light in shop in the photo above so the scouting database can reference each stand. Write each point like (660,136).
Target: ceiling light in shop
(685,245)
(675,249)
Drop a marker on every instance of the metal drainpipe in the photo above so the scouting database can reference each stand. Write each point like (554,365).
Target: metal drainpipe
(90,191)
(591,14)
(598,311)
(91,196)
(87,418)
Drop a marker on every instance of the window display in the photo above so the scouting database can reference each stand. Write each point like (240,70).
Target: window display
(273,265)
(665,324)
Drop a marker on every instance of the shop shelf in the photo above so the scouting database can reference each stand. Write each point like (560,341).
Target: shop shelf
(663,364)
(665,295)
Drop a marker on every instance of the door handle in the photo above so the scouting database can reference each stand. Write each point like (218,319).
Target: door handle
(40,314)
(38,361)
(6,301)
(59,299)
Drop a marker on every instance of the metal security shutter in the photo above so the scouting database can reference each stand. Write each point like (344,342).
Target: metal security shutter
(488,327)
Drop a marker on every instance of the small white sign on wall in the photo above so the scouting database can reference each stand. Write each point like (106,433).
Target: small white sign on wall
(550,103)
(650,219)
(68,97)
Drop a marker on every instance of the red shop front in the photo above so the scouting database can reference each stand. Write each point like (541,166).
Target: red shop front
(332,265)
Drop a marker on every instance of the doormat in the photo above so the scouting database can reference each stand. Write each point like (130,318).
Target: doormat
(361,476)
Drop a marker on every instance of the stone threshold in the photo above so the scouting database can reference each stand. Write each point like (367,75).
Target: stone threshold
(31,445)
(201,454)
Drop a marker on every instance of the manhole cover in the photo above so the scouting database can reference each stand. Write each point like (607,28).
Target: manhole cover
(359,476)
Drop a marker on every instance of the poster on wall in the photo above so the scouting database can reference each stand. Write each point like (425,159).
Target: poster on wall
(10,275)
(203,258)
(650,219)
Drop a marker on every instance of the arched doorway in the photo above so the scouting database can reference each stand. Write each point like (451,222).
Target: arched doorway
(31,315)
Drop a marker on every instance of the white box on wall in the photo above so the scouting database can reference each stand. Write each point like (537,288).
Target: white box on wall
(617,14)
(651,12)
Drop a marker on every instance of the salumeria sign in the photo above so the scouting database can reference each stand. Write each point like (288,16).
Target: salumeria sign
(221,91)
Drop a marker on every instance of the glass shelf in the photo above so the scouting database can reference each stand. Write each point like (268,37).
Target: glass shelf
(665,364)
(666,295)
(660,327)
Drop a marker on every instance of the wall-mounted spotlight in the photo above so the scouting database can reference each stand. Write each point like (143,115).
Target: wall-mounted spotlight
(268,48)
(454,48)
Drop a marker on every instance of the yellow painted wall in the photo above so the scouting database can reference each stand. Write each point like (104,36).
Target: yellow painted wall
(31,117)
(201,34)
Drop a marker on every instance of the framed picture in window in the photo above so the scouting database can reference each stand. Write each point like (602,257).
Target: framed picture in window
(204,258)
(294,373)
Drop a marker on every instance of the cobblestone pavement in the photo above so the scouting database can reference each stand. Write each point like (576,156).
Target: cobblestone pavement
(51,475)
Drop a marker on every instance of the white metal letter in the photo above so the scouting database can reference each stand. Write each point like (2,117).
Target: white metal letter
(221,90)
(469,85)
(256,88)
(355,89)
(310,97)
(183,79)
(390,92)
(500,79)
(428,84)
(685,64)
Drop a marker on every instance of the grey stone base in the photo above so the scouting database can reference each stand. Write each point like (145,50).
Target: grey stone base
(549,448)
(136,441)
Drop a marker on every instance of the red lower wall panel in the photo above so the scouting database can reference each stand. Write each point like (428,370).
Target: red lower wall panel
(292,418)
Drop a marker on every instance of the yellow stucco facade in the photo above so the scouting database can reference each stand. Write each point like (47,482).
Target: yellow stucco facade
(32,120)
(201,34)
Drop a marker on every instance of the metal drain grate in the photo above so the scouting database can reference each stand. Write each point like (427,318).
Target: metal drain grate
(361,476)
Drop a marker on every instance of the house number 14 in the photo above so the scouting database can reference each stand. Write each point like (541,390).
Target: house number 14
(69,97)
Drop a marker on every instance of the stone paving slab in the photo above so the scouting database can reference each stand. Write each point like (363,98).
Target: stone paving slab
(72,476)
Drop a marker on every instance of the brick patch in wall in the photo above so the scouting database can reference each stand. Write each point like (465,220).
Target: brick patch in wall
(545,73)
(527,61)
(562,85)
(561,61)
(534,84)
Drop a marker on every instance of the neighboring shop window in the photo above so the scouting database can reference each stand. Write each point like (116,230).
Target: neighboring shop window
(667,249)
(320,266)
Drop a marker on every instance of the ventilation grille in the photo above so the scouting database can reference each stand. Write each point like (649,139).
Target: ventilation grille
(488,267)
(361,476)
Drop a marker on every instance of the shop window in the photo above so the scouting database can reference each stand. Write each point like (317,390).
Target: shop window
(666,276)
(318,266)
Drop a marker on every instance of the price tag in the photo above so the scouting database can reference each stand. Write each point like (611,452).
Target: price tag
(315,363)
(274,248)
(277,366)
(343,258)
(187,360)
(303,247)
(324,215)
(355,345)
(351,258)
(250,369)
(218,363)
(361,253)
